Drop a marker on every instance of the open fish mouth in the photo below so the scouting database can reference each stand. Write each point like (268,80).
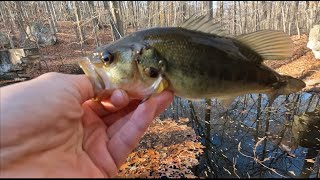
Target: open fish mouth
(94,77)
(100,79)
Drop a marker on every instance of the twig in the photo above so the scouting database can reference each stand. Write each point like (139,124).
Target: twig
(234,167)
(255,157)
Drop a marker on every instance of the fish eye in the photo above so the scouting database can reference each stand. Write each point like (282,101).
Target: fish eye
(151,72)
(107,57)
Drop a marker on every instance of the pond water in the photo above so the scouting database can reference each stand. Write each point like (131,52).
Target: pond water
(251,139)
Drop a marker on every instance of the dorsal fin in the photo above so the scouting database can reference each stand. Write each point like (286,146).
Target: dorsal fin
(204,24)
(269,44)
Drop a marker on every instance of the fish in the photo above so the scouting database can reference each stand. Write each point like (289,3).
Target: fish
(195,60)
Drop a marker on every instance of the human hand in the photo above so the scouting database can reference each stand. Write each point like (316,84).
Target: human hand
(50,128)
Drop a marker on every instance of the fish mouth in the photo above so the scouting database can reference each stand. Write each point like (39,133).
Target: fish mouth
(100,80)
(94,77)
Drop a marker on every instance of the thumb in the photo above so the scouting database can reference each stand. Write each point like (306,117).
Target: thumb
(81,85)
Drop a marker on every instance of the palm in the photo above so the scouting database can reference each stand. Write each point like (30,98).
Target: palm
(58,137)
(110,137)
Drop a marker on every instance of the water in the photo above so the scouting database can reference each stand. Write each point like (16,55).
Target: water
(251,139)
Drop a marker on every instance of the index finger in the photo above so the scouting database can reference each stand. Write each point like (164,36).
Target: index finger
(130,132)
(117,100)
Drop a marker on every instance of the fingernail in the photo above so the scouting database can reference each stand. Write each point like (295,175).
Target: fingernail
(118,96)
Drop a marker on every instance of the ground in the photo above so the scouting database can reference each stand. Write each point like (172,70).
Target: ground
(169,148)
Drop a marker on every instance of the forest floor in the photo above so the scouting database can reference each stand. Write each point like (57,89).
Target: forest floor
(169,148)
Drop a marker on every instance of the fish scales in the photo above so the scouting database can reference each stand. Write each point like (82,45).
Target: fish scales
(193,63)
(204,67)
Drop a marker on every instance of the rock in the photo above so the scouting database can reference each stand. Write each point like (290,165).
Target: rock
(23,76)
(4,40)
(17,60)
(41,33)
(314,41)
(5,63)
(19,55)
(8,76)
(71,69)
(16,68)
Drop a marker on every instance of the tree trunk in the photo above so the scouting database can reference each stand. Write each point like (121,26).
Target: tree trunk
(21,24)
(184,11)
(312,9)
(133,21)
(220,11)
(208,111)
(210,9)
(253,17)
(95,23)
(150,17)
(269,11)
(80,31)
(245,26)
(240,19)
(283,18)
(116,13)
(234,18)
(53,16)
(293,20)
(116,24)
(50,20)
(258,118)
(264,17)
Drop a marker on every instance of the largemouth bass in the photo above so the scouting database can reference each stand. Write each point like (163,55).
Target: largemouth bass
(195,61)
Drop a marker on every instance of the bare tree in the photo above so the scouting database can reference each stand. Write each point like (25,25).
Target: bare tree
(50,19)
(115,18)
(220,11)
(80,31)
(116,13)
(210,9)
(234,30)
(95,23)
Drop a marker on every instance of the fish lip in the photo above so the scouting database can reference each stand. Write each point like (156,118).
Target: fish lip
(94,77)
